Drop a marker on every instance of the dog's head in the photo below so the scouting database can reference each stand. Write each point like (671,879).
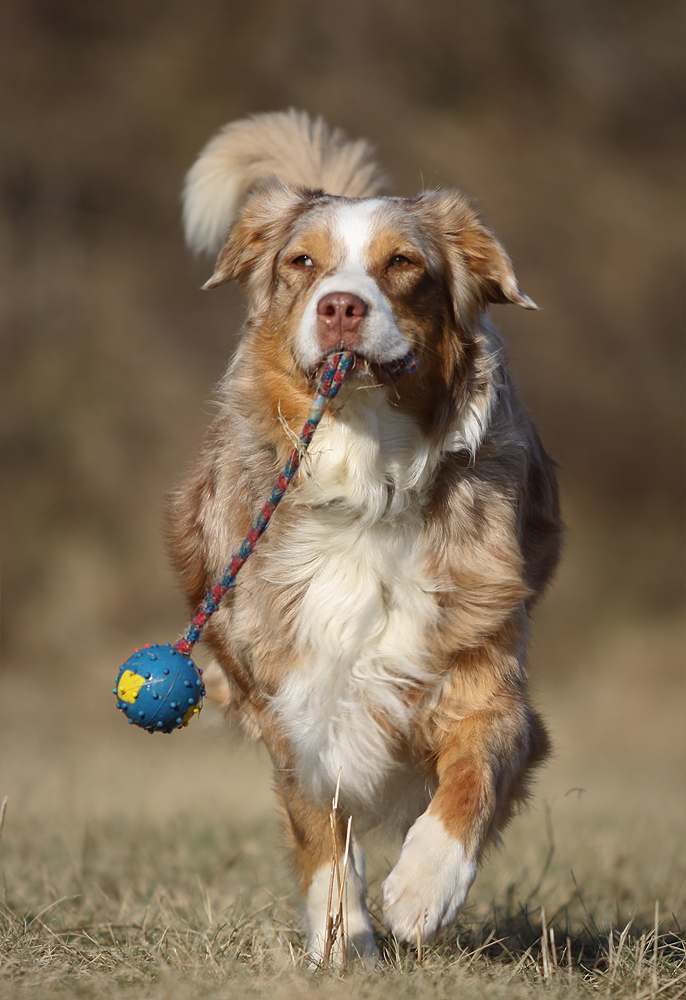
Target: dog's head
(378,276)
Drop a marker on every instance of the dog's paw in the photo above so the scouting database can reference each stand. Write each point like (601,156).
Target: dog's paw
(357,930)
(359,946)
(429,884)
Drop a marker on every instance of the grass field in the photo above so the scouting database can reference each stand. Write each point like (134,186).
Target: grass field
(144,867)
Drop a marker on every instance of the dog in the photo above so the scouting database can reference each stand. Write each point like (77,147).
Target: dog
(376,640)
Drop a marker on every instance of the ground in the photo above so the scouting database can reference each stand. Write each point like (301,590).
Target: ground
(150,866)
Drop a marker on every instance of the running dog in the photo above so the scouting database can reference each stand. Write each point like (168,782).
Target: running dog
(377,637)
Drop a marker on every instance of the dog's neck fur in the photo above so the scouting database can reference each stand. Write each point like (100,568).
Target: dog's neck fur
(357,556)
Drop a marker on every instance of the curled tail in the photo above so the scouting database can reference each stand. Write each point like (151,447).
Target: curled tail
(288,145)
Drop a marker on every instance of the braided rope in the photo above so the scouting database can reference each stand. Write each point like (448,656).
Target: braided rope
(337,366)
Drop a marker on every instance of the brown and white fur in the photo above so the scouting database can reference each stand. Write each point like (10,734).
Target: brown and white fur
(379,631)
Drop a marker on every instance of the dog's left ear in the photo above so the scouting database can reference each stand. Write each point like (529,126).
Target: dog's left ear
(481,271)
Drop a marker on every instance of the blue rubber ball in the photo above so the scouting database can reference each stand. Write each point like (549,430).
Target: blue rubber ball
(159,689)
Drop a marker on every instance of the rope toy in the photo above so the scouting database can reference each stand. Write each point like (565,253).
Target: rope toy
(159,688)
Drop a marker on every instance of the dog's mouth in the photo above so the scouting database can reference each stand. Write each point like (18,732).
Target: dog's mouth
(368,372)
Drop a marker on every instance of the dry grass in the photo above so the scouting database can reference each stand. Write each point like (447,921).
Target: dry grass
(136,866)
(142,913)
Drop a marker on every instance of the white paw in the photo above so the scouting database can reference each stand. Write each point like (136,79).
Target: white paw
(359,947)
(429,884)
(357,928)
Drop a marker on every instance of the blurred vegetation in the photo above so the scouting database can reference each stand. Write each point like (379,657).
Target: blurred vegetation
(565,119)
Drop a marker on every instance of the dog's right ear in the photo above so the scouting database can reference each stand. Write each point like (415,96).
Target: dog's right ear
(256,235)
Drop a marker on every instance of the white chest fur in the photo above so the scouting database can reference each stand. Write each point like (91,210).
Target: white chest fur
(368,599)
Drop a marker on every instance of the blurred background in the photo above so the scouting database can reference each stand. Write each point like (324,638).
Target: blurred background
(564,119)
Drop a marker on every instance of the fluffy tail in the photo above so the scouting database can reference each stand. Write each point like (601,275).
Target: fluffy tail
(287,145)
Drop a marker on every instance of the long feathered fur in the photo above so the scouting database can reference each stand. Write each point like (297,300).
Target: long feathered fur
(289,146)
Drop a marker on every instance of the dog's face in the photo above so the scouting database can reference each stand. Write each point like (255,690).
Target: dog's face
(378,276)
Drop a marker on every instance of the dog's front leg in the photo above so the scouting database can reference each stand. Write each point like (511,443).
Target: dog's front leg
(309,830)
(481,763)
(438,862)
(354,936)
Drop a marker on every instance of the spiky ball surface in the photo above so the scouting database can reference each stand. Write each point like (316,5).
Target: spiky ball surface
(159,689)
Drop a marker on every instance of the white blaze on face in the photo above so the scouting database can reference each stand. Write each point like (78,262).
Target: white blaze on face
(353,227)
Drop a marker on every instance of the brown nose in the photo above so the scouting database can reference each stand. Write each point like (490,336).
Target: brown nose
(338,315)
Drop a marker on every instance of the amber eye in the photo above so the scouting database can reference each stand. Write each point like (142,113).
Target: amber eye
(400,260)
(302,260)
